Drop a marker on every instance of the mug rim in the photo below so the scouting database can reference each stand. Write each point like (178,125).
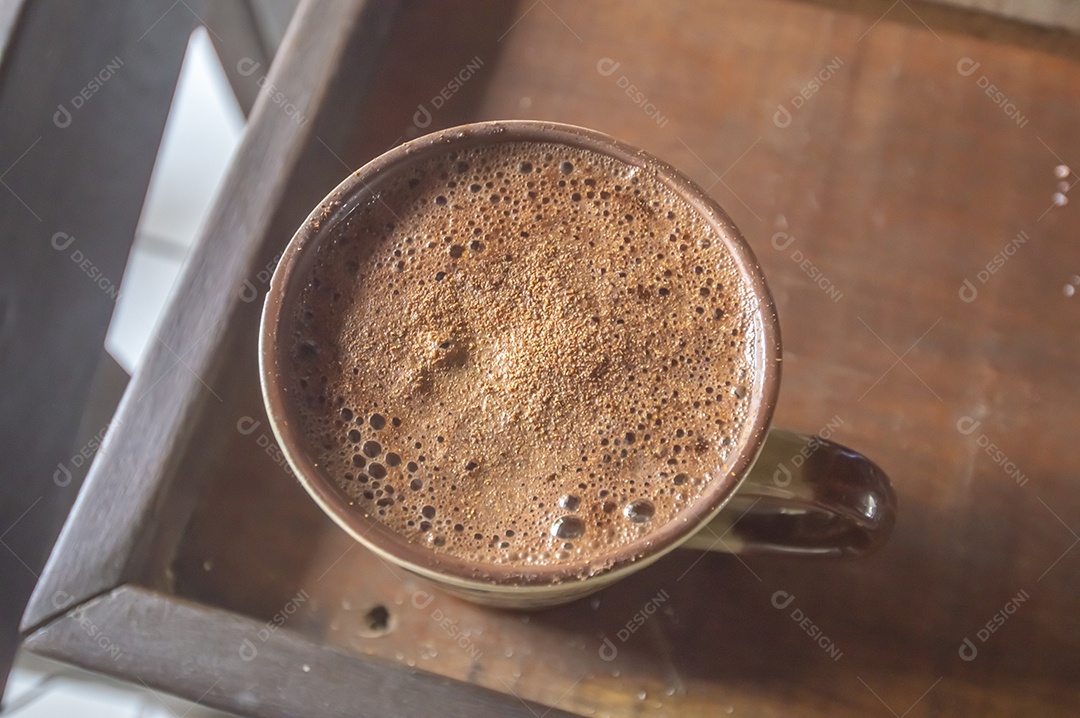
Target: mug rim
(445,567)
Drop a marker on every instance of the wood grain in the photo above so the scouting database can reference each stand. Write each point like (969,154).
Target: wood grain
(138,634)
(896,179)
(879,180)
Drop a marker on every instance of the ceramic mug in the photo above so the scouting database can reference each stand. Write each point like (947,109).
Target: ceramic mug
(782,492)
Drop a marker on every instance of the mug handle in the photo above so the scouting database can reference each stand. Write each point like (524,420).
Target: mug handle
(804,495)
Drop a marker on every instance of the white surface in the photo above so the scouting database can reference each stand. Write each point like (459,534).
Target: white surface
(71,693)
(203,130)
(201,134)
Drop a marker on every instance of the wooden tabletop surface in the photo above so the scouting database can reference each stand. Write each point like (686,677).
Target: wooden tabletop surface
(897,181)
(869,202)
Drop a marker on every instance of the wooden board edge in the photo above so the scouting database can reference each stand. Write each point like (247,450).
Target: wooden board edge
(946,17)
(134,633)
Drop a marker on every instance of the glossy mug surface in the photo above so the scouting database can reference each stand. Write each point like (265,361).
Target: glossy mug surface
(441,340)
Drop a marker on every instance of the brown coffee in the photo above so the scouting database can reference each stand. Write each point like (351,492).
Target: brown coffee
(522,353)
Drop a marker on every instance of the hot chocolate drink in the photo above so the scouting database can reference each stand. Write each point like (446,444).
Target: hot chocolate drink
(522,353)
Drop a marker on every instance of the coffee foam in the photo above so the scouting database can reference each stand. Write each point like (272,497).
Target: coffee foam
(523,354)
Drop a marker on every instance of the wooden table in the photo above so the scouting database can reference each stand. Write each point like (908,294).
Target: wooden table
(873,174)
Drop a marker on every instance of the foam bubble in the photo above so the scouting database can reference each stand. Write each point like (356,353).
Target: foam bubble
(568,527)
(639,511)
(570,502)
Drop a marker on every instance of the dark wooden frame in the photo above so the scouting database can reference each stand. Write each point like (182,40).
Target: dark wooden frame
(136,503)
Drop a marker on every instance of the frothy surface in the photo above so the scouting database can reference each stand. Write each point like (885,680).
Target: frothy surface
(523,354)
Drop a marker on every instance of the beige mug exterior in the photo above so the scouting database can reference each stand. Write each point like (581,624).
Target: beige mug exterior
(517,587)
